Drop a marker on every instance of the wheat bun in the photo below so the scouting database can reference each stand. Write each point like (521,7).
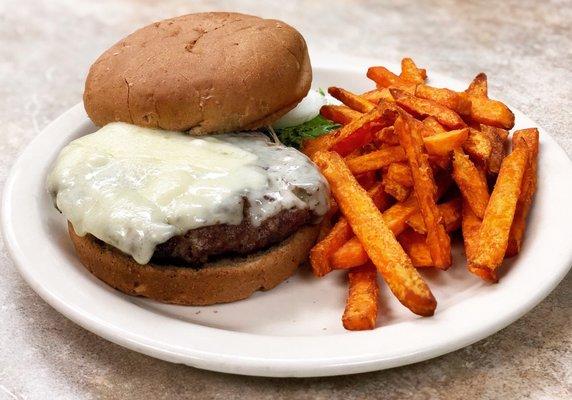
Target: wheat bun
(222,281)
(207,73)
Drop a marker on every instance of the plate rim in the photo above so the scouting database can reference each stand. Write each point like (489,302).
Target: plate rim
(237,364)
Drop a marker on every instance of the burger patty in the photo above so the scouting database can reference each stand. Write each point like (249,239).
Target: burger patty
(201,245)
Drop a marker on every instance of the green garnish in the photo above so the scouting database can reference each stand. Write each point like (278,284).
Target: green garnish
(293,135)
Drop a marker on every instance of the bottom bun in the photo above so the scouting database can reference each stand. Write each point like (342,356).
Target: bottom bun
(222,281)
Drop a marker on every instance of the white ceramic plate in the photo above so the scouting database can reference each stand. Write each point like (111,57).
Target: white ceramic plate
(294,329)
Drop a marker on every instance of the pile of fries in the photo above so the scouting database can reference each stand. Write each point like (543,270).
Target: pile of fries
(410,165)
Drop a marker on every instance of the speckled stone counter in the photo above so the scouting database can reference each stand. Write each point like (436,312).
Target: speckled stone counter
(46,48)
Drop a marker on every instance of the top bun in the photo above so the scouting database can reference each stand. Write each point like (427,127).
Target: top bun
(207,73)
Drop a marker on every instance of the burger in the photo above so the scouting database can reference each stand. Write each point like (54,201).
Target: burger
(182,195)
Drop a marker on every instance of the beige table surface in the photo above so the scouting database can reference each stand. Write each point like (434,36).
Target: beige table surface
(46,48)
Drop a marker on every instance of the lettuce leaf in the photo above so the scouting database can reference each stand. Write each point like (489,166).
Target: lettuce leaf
(294,135)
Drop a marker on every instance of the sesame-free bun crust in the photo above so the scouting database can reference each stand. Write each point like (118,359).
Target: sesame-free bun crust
(218,282)
(207,73)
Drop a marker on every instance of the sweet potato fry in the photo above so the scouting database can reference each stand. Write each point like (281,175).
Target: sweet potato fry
(446,97)
(386,137)
(497,138)
(378,241)
(479,86)
(452,215)
(415,245)
(355,153)
(425,190)
(350,255)
(357,139)
(433,126)
(471,182)
(485,110)
(530,137)
(441,144)
(376,159)
(353,135)
(361,305)
(410,72)
(323,250)
(501,133)
(342,115)
(395,189)
(322,143)
(470,225)
(354,257)
(478,146)
(367,179)
(383,77)
(376,95)
(439,162)
(495,228)
(424,108)
(490,112)
(400,173)
(348,140)
(396,216)
(451,212)
(351,100)
(379,197)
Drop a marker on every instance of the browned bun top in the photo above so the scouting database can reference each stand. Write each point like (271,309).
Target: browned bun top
(208,73)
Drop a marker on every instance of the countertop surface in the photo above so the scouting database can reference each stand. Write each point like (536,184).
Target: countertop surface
(46,48)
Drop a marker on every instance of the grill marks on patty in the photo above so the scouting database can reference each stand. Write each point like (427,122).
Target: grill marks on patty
(201,245)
